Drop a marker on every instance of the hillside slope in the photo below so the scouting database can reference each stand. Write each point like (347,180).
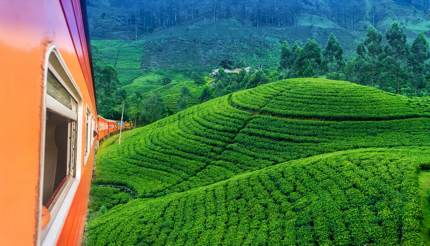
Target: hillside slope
(356,197)
(151,83)
(225,153)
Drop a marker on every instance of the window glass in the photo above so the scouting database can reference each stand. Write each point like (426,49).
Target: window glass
(57,91)
(56,155)
(87,132)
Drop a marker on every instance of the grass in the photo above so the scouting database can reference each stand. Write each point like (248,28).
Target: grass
(424,192)
(332,198)
(151,83)
(302,161)
(123,55)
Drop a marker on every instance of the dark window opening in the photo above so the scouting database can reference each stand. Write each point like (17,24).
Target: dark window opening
(59,155)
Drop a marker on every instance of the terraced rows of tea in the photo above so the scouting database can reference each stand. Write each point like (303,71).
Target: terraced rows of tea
(252,167)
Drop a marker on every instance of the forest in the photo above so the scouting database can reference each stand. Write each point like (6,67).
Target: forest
(382,60)
(136,18)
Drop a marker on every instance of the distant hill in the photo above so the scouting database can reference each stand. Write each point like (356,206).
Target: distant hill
(300,161)
(193,34)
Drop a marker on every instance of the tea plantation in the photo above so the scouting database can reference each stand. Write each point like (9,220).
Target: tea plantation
(302,161)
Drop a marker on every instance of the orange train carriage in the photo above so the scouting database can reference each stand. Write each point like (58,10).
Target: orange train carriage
(47,154)
(103,128)
(108,127)
(113,126)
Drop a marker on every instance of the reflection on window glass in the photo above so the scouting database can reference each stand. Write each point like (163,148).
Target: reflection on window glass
(57,91)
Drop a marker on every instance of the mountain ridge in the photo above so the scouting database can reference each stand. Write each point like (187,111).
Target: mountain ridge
(198,35)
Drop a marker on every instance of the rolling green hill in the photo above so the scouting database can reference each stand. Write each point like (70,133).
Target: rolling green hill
(297,161)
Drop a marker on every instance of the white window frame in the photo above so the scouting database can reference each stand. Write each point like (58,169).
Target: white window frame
(50,234)
(87,133)
(94,128)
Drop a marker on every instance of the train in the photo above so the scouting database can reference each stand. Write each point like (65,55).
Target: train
(107,127)
(50,121)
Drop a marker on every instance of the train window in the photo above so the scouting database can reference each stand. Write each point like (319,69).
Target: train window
(58,92)
(88,133)
(60,155)
(60,139)
(94,132)
(60,142)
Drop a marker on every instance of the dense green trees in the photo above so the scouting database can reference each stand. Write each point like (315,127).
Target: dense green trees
(152,109)
(333,60)
(243,78)
(206,95)
(310,60)
(365,67)
(385,61)
(288,57)
(418,58)
(183,98)
(390,63)
(109,96)
(133,19)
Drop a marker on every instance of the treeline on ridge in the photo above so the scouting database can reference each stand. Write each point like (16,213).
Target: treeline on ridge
(387,61)
(132,19)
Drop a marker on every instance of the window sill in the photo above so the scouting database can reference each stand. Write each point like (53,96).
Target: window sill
(46,217)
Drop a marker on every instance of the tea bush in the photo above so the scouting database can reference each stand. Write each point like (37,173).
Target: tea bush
(197,176)
(352,197)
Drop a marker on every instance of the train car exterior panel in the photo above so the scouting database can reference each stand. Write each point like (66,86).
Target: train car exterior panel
(31,33)
(103,128)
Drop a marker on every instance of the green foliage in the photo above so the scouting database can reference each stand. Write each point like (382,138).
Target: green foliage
(139,37)
(225,83)
(366,66)
(198,79)
(177,35)
(418,61)
(169,85)
(355,198)
(109,97)
(396,39)
(288,56)
(153,109)
(389,64)
(333,56)
(309,60)
(206,95)
(259,78)
(227,64)
(166,81)
(183,100)
(106,197)
(252,167)
(393,66)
